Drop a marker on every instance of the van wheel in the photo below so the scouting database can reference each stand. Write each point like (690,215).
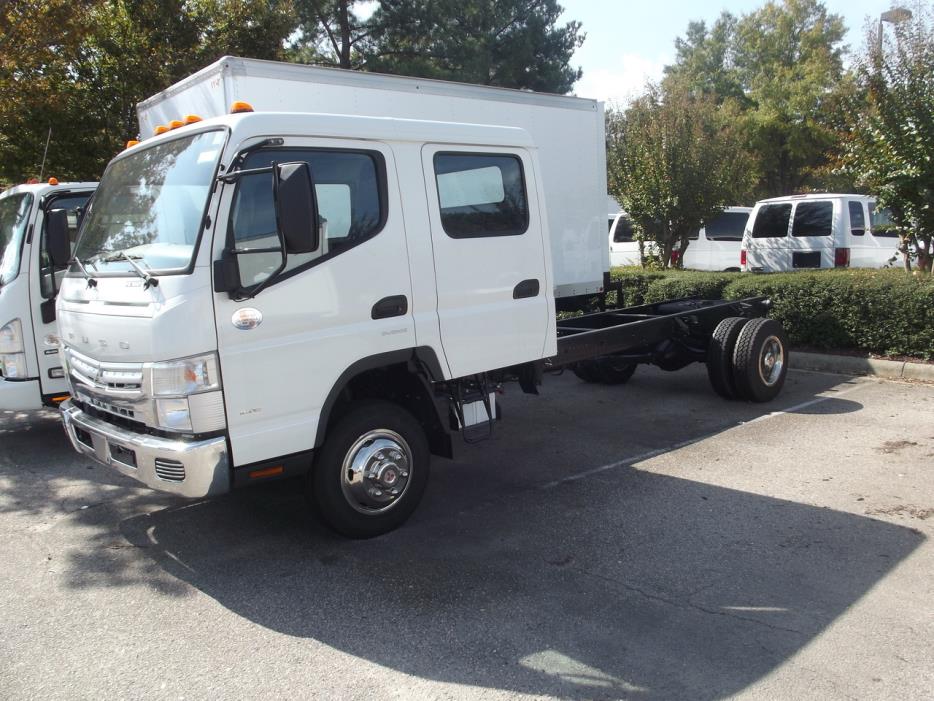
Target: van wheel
(760,360)
(372,471)
(720,356)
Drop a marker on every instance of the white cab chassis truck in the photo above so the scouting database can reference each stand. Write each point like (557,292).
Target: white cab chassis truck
(31,372)
(326,286)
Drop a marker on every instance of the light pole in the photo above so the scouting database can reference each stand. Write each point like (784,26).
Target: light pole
(894,16)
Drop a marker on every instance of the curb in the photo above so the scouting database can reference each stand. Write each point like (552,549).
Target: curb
(852,365)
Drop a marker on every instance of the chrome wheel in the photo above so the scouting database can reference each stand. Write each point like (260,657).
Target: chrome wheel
(376,471)
(771,360)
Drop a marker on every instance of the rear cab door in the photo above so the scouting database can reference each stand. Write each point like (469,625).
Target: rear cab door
(488,241)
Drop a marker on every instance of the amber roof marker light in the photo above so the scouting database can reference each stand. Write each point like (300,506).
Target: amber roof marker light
(131,143)
(176,123)
(192,118)
(239,107)
(53,181)
(161,129)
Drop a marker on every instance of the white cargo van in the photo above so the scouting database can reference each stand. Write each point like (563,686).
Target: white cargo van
(264,294)
(716,246)
(31,374)
(818,231)
(624,249)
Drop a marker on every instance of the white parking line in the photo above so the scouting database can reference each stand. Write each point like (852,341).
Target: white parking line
(682,444)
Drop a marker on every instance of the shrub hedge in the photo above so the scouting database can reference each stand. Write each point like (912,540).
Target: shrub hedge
(887,312)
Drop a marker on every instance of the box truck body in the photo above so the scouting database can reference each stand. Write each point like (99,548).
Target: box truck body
(573,166)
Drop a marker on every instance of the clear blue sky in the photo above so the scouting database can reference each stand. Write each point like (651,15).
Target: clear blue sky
(629,42)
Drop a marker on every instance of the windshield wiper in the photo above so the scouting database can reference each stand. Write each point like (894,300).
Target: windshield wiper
(87,276)
(148,280)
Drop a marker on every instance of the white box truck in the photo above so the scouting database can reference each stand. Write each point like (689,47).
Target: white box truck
(335,288)
(31,373)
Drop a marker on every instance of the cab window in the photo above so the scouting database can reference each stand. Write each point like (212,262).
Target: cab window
(350,187)
(481,194)
(74,207)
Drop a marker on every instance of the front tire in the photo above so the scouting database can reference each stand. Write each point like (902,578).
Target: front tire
(371,473)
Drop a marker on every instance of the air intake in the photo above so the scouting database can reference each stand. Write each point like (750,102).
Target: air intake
(170,470)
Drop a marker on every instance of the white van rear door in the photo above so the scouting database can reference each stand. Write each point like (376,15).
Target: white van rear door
(768,246)
(812,240)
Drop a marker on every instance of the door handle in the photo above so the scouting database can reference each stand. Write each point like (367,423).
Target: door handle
(526,288)
(397,305)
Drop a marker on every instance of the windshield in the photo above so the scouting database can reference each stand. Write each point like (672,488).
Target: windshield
(150,205)
(14,213)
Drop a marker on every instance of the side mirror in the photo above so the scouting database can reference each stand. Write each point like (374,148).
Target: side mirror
(296,207)
(57,241)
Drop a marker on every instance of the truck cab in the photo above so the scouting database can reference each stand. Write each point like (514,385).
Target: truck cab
(244,284)
(31,373)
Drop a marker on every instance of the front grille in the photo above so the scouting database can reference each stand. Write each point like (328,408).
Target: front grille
(170,470)
(115,377)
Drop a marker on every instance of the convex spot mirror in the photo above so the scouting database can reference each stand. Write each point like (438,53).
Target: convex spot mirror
(57,240)
(296,207)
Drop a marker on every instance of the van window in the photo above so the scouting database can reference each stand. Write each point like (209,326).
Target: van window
(728,226)
(772,221)
(623,231)
(857,219)
(481,194)
(610,225)
(880,222)
(813,219)
(349,187)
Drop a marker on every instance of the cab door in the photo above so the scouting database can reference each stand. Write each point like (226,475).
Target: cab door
(489,254)
(283,349)
(43,288)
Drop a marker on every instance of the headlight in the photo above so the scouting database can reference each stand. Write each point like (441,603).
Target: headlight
(11,337)
(14,365)
(180,378)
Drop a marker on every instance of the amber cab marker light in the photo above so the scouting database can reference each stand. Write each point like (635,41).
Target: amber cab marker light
(267,472)
(161,129)
(53,181)
(176,123)
(238,107)
(192,118)
(131,143)
(59,400)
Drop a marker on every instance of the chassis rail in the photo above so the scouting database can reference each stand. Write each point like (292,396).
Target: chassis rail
(640,334)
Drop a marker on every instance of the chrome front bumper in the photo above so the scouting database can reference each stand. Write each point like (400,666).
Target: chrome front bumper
(187,468)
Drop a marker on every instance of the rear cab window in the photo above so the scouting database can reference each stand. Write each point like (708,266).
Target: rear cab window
(481,194)
(772,221)
(813,219)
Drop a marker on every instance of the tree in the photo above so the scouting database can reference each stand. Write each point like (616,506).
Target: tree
(674,161)
(331,33)
(508,43)
(782,65)
(891,146)
(80,67)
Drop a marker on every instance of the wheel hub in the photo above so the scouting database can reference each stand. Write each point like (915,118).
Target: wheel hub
(771,360)
(376,471)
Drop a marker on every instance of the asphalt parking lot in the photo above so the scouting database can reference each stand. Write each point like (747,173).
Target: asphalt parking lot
(649,541)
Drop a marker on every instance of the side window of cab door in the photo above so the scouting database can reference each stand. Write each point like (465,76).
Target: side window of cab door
(73,205)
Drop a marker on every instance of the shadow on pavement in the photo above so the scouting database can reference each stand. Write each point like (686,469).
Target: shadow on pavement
(626,584)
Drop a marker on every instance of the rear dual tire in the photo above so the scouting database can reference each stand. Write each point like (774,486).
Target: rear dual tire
(748,359)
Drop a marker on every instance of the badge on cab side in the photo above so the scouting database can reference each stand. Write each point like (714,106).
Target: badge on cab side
(247,318)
